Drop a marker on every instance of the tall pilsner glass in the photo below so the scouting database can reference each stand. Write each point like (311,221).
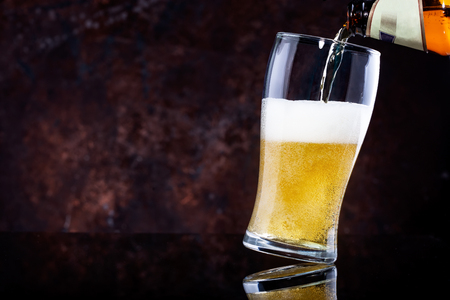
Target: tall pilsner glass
(309,146)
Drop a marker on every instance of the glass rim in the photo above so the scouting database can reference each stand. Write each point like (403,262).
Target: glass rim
(354,47)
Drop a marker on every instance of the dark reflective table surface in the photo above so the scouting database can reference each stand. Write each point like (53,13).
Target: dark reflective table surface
(206,266)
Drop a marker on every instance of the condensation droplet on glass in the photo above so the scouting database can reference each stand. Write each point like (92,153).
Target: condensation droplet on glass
(321,43)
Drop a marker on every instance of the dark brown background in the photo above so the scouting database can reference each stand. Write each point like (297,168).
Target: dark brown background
(143,116)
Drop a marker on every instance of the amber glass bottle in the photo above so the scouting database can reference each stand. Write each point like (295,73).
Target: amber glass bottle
(419,24)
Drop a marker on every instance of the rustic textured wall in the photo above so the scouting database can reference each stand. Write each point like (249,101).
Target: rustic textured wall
(143,116)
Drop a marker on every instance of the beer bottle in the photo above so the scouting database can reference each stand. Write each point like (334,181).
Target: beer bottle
(418,24)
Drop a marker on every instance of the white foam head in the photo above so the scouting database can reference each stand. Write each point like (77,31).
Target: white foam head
(314,121)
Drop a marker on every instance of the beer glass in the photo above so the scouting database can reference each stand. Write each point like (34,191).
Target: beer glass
(304,281)
(309,144)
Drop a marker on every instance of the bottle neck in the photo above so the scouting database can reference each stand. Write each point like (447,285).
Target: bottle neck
(358,12)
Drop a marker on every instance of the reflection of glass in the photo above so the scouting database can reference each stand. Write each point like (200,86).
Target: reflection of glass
(309,147)
(304,281)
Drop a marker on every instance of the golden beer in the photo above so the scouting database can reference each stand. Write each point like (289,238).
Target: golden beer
(300,191)
(308,149)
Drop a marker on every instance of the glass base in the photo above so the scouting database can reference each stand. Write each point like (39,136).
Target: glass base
(294,280)
(257,243)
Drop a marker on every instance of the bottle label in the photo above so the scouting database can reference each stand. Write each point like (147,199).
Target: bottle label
(399,22)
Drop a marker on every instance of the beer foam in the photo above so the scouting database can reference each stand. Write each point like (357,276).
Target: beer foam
(314,121)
